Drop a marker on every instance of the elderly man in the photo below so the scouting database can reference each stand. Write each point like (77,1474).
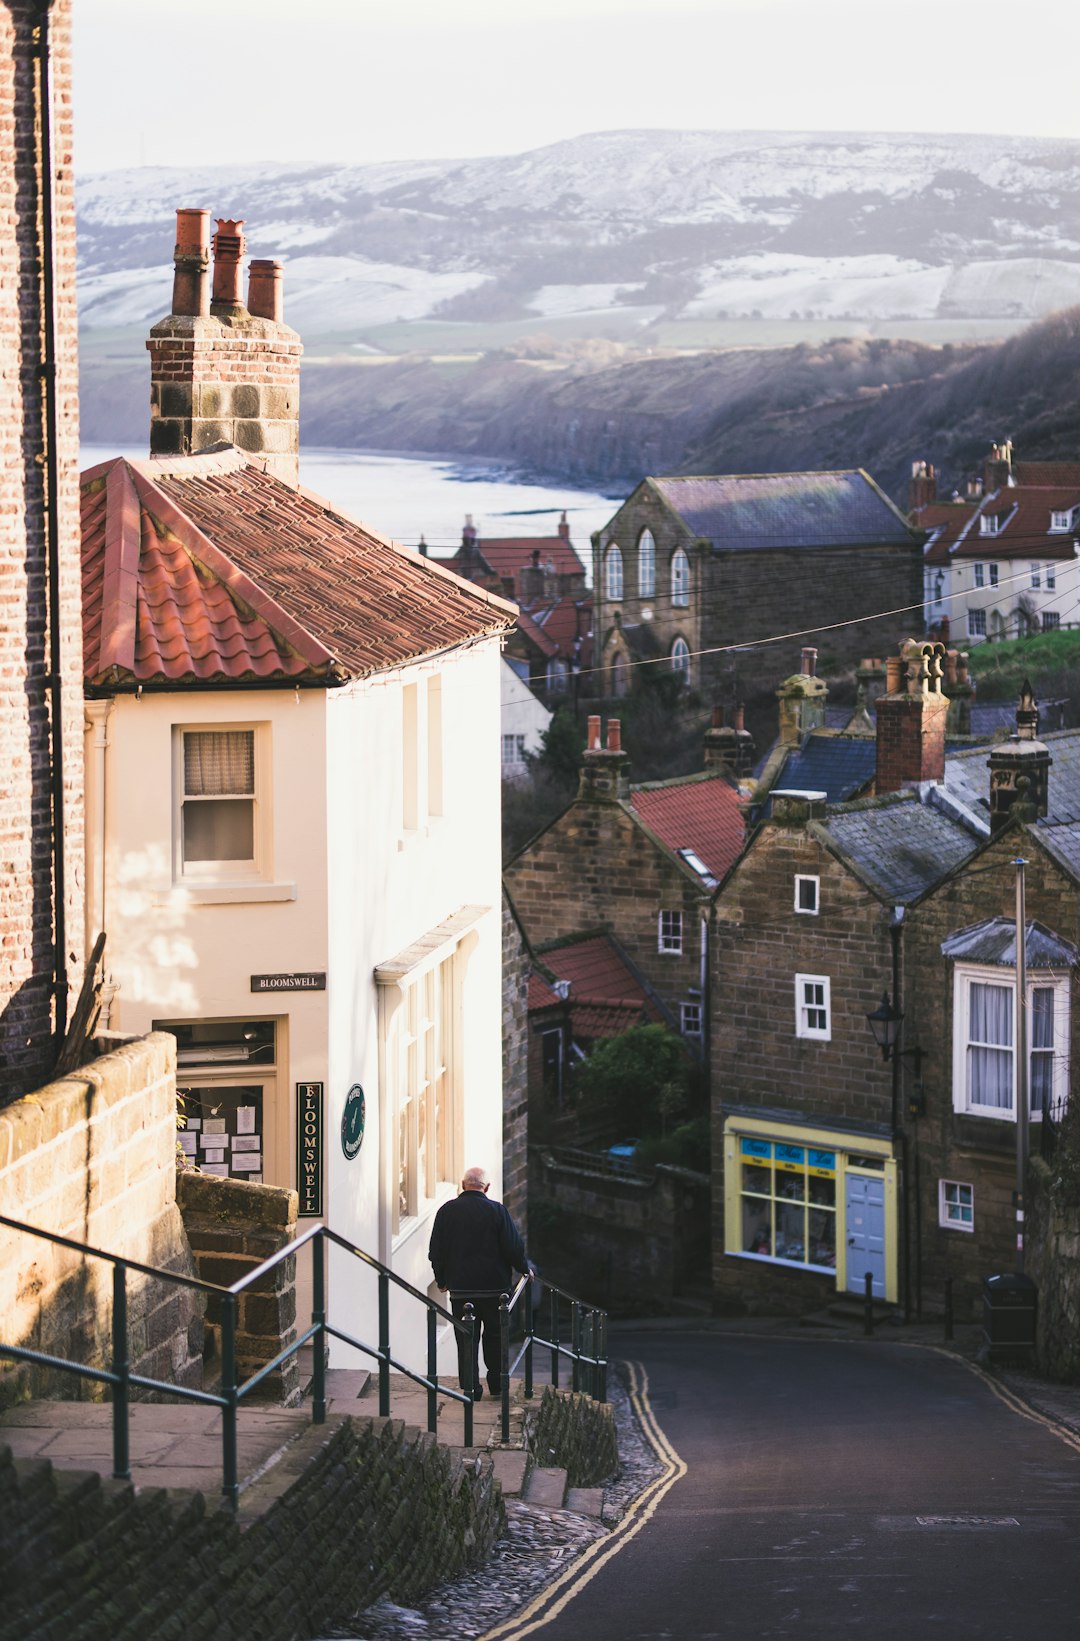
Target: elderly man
(475,1249)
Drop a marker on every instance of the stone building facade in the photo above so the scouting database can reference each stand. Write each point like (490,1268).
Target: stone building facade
(515,1038)
(41,812)
(687,569)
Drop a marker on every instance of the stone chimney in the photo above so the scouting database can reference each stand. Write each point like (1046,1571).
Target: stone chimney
(729,747)
(911,718)
(922,489)
(605,774)
(220,371)
(1020,769)
(802,700)
(997,468)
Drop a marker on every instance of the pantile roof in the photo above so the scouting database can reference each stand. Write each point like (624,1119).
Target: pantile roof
(1047,473)
(606,997)
(701,813)
(838,765)
(994,941)
(509,555)
(742,511)
(1023,530)
(897,845)
(534,632)
(208,568)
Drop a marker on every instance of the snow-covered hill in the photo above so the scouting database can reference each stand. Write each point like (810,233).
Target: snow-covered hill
(688,224)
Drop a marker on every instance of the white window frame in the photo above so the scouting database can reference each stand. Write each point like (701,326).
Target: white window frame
(669,933)
(976,623)
(807,911)
(980,574)
(1061,522)
(967,974)
(688,1014)
(993,568)
(613,574)
(680,660)
(259,868)
(1036,574)
(680,579)
(646,564)
(1051,578)
(516,746)
(806,1006)
(989,524)
(954,1221)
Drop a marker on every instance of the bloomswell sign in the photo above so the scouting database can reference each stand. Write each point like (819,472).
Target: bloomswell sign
(309,1125)
(307,981)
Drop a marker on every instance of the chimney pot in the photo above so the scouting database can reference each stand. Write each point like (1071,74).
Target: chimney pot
(594,733)
(191,262)
(718,717)
(740,719)
(614,735)
(265,290)
(229,248)
(894,675)
(809,662)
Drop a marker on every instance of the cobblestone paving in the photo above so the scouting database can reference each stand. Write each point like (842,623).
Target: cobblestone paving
(537,1545)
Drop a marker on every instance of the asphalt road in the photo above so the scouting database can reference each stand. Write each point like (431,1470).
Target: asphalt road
(816,1470)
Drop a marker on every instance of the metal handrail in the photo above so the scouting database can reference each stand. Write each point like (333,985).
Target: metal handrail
(587,1347)
(121,1378)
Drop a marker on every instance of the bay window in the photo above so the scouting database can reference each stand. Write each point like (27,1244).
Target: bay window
(984,1047)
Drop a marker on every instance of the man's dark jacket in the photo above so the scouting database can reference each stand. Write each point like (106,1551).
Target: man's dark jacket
(475,1246)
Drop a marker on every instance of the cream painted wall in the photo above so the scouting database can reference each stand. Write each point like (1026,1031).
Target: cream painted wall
(522,714)
(389,887)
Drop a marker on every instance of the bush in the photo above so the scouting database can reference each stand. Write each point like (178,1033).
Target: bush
(641,1079)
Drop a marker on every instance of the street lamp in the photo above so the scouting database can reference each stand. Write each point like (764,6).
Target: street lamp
(885,1022)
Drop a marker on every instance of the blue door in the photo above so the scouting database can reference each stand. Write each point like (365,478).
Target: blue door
(865,1234)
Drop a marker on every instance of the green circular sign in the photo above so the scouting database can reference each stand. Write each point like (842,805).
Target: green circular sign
(352,1121)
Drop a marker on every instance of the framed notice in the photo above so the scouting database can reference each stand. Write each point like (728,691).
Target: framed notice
(309,1126)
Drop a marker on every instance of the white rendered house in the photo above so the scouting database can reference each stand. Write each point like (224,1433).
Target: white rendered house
(524,719)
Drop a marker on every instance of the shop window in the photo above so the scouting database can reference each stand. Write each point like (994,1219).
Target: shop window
(956,1205)
(225,1089)
(787,1203)
(812,1007)
(221,785)
(646,565)
(669,932)
(613,574)
(983,1048)
(806,895)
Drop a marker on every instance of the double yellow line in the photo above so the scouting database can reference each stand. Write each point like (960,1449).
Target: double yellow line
(551,1601)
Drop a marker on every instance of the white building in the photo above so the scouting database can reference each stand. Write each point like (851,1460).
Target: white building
(524,720)
(293,843)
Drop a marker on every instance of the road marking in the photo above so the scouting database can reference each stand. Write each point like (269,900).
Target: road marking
(562,1591)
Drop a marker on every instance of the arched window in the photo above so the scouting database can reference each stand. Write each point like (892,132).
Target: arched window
(680,659)
(620,674)
(613,573)
(646,565)
(680,578)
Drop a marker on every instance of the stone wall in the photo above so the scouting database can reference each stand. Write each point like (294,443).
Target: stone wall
(625,1242)
(93,1157)
(26,873)
(516,964)
(232,1227)
(1053,1262)
(576,1434)
(380,1510)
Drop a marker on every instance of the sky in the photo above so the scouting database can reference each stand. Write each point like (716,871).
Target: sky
(236,82)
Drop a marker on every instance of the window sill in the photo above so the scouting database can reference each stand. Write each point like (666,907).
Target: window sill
(225,894)
(788,1264)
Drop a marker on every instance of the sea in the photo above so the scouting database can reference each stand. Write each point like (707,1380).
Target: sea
(410,498)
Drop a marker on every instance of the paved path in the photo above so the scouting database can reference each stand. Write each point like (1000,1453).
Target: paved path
(835,1488)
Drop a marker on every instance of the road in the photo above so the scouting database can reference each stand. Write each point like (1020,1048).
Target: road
(833,1489)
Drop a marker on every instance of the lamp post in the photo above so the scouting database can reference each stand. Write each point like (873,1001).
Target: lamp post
(1022,1096)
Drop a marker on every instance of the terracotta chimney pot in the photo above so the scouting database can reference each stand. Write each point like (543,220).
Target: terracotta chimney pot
(229,247)
(718,717)
(594,733)
(191,262)
(264,290)
(614,735)
(894,675)
(740,719)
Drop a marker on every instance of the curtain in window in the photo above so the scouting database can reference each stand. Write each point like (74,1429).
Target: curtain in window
(219,763)
(1042,1047)
(990,1067)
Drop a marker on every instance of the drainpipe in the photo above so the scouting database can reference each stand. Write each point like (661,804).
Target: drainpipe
(899,1130)
(97,721)
(50,454)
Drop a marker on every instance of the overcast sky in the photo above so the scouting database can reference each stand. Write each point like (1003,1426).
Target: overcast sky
(236,81)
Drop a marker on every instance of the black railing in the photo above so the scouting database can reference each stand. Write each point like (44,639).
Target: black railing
(576,1331)
(121,1379)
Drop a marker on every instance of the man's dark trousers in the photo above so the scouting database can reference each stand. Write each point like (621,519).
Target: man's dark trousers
(487,1327)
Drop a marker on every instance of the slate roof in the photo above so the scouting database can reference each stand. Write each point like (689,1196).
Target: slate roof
(897,845)
(967,777)
(994,941)
(1063,842)
(838,765)
(742,511)
(701,813)
(208,568)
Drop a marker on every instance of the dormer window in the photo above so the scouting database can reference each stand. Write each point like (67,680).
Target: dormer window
(989,524)
(1062,520)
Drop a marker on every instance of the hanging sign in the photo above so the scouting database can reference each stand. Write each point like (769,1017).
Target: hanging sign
(352,1121)
(309,1123)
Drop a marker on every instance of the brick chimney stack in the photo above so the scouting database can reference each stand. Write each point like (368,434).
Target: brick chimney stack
(564,528)
(997,468)
(604,770)
(220,371)
(911,718)
(1020,769)
(922,489)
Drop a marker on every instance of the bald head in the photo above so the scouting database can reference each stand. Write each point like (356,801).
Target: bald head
(474,1179)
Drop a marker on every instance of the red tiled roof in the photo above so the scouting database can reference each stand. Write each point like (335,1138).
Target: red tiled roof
(606,997)
(509,554)
(1024,530)
(944,521)
(210,568)
(1047,473)
(541,995)
(703,815)
(592,1020)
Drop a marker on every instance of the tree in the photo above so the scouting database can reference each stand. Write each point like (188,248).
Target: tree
(561,747)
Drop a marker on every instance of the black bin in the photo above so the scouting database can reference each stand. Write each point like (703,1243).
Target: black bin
(1009,1305)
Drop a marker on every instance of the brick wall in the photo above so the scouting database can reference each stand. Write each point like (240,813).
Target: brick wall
(93,1157)
(26,916)
(231,1227)
(515,1066)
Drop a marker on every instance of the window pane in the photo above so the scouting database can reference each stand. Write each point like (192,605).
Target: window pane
(219,829)
(823,1191)
(756,1229)
(822,1238)
(1042,1017)
(790,1229)
(219,763)
(756,1178)
(991,1012)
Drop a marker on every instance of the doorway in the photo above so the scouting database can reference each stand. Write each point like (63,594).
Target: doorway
(865,1204)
